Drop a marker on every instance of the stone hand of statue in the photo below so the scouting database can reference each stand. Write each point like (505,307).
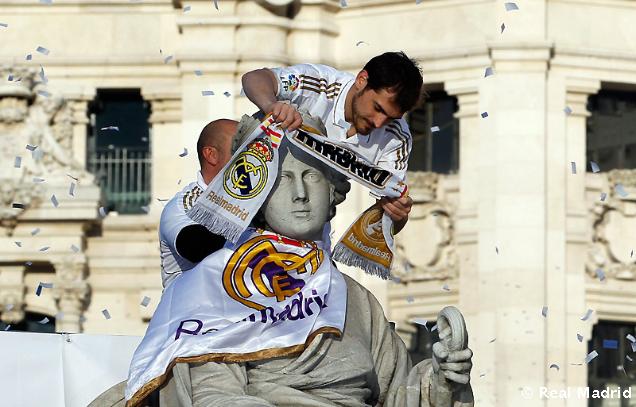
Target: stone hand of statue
(397,208)
(454,366)
(285,114)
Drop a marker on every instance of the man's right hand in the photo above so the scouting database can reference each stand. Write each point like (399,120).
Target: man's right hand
(285,114)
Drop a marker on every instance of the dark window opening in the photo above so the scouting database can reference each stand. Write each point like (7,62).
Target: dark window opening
(119,148)
(435,151)
(32,322)
(423,340)
(612,368)
(611,130)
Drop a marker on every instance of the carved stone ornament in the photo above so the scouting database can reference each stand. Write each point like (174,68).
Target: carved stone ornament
(614,231)
(70,286)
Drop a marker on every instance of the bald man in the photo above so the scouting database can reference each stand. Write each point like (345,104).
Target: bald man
(183,243)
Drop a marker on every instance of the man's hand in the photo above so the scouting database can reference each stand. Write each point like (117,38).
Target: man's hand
(285,114)
(398,210)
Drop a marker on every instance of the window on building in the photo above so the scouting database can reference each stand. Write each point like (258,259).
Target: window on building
(611,129)
(435,151)
(611,368)
(422,344)
(32,322)
(119,148)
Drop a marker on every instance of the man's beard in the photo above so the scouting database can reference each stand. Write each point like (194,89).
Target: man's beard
(358,120)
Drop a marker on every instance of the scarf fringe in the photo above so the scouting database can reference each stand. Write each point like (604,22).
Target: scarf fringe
(216,223)
(344,255)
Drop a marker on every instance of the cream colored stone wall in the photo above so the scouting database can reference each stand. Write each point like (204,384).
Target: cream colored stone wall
(514,192)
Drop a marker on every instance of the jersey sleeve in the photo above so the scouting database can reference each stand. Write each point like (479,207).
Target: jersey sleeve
(301,84)
(173,220)
(395,156)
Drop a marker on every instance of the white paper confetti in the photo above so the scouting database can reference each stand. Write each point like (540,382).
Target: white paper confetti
(603,196)
(207,93)
(9,307)
(434,328)
(54,201)
(71,189)
(46,1)
(42,50)
(111,128)
(567,110)
(5,25)
(445,287)
(185,152)
(19,244)
(43,77)
(630,338)
(484,115)
(591,356)
(434,129)
(544,311)
(10,78)
(420,321)
(45,248)
(179,182)
(167,59)
(43,93)
(35,231)
(186,9)
(44,320)
(216,4)
(6,328)
(106,313)
(343,3)
(579,337)
(488,72)
(69,175)
(145,208)
(28,57)
(410,299)
(587,315)
(594,167)
(492,340)
(628,358)
(198,72)
(503,27)
(102,212)
(38,180)
(496,249)
(620,190)
(573,167)
(17,162)
(361,43)
(227,94)
(37,154)
(28,263)
(145,301)
(31,147)
(600,274)
(75,248)
(511,6)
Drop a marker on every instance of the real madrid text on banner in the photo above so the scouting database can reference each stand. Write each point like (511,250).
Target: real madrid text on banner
(235,195)
(266,296)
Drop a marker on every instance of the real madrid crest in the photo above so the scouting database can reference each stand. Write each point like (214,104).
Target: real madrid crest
(247,175)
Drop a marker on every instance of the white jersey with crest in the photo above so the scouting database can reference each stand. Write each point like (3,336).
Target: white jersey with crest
(321,90)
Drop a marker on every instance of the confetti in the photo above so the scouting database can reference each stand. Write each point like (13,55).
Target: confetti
(591,356)
(567,110)
(82,319)
(16,205)
(10,78)
(227,94)
(555,366)
(35,231)
(420,321)
(185,152)
(503,27)
(610,344)
(434,129)
(631,254)
(445,287)
(628,358)
(106,313)
(45,80)
(343,3)
(573,166)
(488,72)
(42,285)
(71,189)
(434,327)
(145,209)
(594,167)
(43,93)
(59,315)
(102,212)
(75,248)
(216,4)
(603,196)
(7,327)
(111,128)
(37,154)
(44,320)
(167,59)
(410,299)
(630,338)
(45,248)
(544,311)
(511,6)
(9,307)
(31,147)
(497,249)
(600,274)
(28,263)
(54,201)
(587,315)
(492,340)
(484,115)
(5,25)
(145,301)
(46,1)
(620,190)
(42,50)
(69,175)
(17,162)
(179,182)
(28,57)
(361,43)
(186,9)
(37,180)
(207,93)
(19,244)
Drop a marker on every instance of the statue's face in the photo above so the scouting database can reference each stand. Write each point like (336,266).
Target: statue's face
(299,204)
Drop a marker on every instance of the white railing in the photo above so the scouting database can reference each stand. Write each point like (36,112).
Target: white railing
(123,173)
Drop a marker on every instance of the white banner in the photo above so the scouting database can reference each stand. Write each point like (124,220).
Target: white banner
(61,370)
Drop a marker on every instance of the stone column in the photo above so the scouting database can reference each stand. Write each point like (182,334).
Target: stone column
(12,291)
(71,291)
(79,110)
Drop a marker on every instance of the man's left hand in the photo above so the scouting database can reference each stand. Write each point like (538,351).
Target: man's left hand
(397,208)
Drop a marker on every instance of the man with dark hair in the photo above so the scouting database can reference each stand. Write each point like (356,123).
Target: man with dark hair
(183,243)
(363,111)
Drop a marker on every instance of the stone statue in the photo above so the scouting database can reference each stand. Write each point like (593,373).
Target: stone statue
(368,365)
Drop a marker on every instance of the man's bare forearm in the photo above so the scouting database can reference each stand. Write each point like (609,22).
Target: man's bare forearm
(260,87)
